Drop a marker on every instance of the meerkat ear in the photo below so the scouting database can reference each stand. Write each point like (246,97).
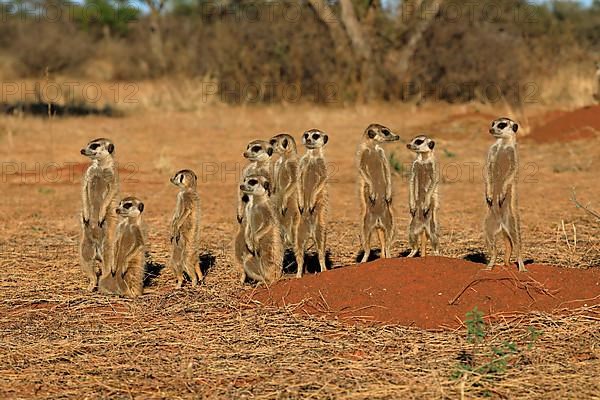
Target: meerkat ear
(371,133)
(270,151)
(431,144)
(284,143)
(325,139)
(515,128)
(111,148)
(141,207)
(267,187)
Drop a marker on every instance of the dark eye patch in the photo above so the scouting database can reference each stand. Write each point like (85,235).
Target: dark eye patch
(272,142)
(256,149)
(316,136)
(385,132)
(419,142)
(127,206)
(181,178)
(252,182)
(94,146)
(306,135)
(502,125)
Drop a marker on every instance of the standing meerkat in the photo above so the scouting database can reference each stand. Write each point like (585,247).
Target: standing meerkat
(259,153)
(423,197)
(185,229)
(262,236)
(597,82)
(129,256)
(312,198)
(99,192)
(375,186)
(501,192)
(285,177)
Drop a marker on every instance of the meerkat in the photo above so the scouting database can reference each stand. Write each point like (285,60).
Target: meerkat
(597,82)
(185,229)
(129,252)
(423,197)
(375,187)
(312,198)
(501,193)
(259,153)
(99,193)
(262,236)
(285,178)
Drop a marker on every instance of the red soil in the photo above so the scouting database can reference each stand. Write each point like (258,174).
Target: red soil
(583,123)
(418,292)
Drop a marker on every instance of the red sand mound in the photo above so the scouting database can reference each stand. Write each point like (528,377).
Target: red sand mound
(433,292)
(583,123)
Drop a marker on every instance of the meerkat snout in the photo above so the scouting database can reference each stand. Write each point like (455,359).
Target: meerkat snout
(98,149)
(503,127)
(314,139)
(130,207)
(380,133)
(255,185)
(421,144)
(258,150)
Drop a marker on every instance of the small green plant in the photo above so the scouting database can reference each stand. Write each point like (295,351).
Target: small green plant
(475,326)
(449,153)
(396,164)
(497,359)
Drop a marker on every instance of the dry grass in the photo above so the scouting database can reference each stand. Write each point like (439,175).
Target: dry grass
(57,341)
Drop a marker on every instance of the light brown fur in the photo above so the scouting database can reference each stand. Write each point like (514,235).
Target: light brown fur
(263,257)
(423,197)
(375,187)
(312,199)
(285,177)
(129,252)
(185,229)
(501,193)
(99,193)
(597,82)
(259,153)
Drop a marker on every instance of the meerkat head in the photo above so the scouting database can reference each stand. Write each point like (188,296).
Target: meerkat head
(186,178)
(256,185)
(258,150)
(130,207)
(421,144)
(503,128)
(99,149)
(283,143)
(314,139)
(380,133)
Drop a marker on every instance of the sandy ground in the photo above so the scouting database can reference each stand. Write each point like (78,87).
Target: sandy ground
(213,341)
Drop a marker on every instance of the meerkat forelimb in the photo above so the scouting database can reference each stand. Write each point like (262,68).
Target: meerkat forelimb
(285,177)
(312,198)
(375,187)
(423,197)
(262,235)
(185,229)
(129,257)
(501,193)
(100,188)
(258,153)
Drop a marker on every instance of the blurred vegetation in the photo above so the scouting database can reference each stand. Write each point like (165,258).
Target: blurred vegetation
(282,50)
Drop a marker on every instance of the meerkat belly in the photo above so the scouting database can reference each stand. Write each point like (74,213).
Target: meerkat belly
(97,191)
(376,170)
(500,171)
(423,179)
(311,179)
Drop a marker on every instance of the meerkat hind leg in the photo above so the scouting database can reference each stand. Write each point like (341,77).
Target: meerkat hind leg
(366,244)
(507,249)
(423,243)
(512,232)
(320,245)
(383,242)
